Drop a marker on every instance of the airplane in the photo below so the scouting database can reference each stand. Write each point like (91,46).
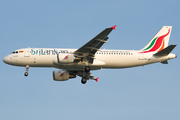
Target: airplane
(79,62)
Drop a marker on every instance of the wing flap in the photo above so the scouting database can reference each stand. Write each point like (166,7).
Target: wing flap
(83,74)
(101,40)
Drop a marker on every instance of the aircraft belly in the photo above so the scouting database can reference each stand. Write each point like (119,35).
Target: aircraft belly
(77,67)
(45,61)
(36,61)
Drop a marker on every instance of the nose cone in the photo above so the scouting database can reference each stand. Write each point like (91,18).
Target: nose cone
(9,60)
(6,60)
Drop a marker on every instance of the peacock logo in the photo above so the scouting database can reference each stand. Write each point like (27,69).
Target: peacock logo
(66,57)
(61,74)
(157,43)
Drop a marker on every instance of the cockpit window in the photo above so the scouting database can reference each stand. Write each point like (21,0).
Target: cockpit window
(14,52)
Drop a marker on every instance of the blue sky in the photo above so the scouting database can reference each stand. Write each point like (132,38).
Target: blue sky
(149,92)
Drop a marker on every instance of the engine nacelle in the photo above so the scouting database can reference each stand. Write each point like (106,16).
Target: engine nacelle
(65,58)
(62,75)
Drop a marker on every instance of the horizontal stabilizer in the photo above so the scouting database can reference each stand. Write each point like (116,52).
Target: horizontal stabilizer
(165,51)
(164,62)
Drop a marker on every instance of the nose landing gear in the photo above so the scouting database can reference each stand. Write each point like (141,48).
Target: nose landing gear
(27,69)
(26,74)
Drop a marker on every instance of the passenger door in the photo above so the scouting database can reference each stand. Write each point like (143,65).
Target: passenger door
(27,52)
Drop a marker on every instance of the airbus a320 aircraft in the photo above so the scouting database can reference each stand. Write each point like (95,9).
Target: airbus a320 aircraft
(73,62)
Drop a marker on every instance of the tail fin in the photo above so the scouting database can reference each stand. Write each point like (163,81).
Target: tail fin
(159,41)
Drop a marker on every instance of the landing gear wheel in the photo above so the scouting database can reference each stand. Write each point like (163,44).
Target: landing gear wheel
(26,74)
(27,69)
(83,80)
(87,69)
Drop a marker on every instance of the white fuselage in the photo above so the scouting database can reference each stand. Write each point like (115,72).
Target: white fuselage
(47,57)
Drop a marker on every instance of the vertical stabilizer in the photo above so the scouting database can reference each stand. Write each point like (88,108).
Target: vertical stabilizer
(159,41)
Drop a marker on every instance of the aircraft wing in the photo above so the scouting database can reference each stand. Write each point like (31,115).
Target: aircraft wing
(82,74)
(88,51)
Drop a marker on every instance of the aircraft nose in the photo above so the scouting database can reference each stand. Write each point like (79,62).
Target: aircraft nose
(8,59)
(11,60)
(5,59)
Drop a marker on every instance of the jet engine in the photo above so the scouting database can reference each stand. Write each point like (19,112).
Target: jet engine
(62,75)
(65,58)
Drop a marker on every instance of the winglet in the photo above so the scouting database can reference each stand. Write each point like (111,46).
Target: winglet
(96,79)
(114,27)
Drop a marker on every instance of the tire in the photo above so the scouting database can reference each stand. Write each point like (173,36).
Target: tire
(83,80)
(87,69)
(26,74)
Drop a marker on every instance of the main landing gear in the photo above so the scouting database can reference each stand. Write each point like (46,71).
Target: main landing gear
(84,79)
(27,69)
(87,69)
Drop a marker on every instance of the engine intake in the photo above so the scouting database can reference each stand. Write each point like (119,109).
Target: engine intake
(62,75)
